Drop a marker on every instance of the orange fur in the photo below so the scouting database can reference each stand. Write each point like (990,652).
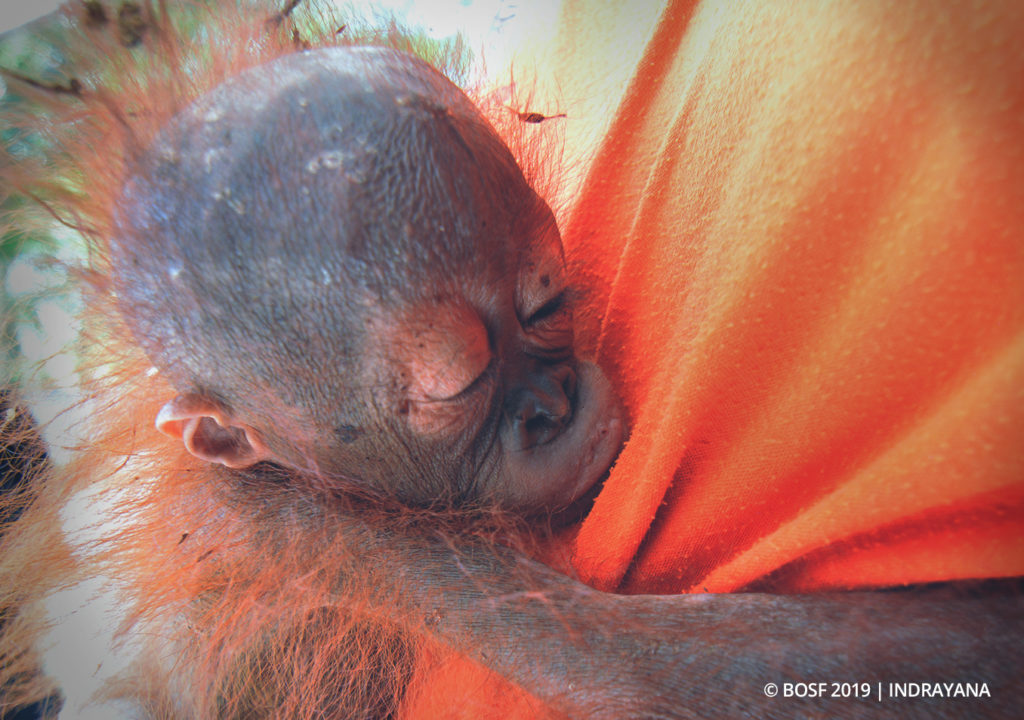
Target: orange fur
(251,601)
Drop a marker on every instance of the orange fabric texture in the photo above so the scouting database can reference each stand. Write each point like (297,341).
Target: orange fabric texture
(805,227)
(801,229)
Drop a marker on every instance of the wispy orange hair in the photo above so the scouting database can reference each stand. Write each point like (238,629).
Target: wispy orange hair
(261,606)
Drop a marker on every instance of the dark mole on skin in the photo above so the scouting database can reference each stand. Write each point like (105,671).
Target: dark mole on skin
(348,433)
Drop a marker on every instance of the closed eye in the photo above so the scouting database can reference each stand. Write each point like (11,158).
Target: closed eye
(479,383)
(548,309)
(461,412)
(550,328)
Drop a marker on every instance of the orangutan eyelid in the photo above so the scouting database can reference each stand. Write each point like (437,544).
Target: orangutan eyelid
(468,390)
(477,384)
(548,309)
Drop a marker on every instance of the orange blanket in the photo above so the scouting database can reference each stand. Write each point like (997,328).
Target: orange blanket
(806,232)
(803,230)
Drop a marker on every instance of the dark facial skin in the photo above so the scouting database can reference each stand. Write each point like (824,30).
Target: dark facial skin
(344,272)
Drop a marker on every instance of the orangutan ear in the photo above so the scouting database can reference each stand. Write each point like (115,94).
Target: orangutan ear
(210,433)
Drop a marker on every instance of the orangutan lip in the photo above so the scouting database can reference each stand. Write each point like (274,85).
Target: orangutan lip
(603,445)
(597,447)
(581,506)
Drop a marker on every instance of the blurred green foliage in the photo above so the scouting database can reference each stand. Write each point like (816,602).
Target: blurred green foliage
(29,51)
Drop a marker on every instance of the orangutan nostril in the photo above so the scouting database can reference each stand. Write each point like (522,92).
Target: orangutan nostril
(543,407)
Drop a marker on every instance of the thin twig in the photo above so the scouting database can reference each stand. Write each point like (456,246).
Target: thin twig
(74,86)
(280,17)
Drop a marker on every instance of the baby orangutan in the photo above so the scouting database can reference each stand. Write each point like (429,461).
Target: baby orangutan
(337,265)
(340,268)
(344,272)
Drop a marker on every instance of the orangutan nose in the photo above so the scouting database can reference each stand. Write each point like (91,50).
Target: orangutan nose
(540,407)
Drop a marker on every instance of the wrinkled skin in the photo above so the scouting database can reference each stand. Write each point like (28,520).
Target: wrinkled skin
(342,271)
